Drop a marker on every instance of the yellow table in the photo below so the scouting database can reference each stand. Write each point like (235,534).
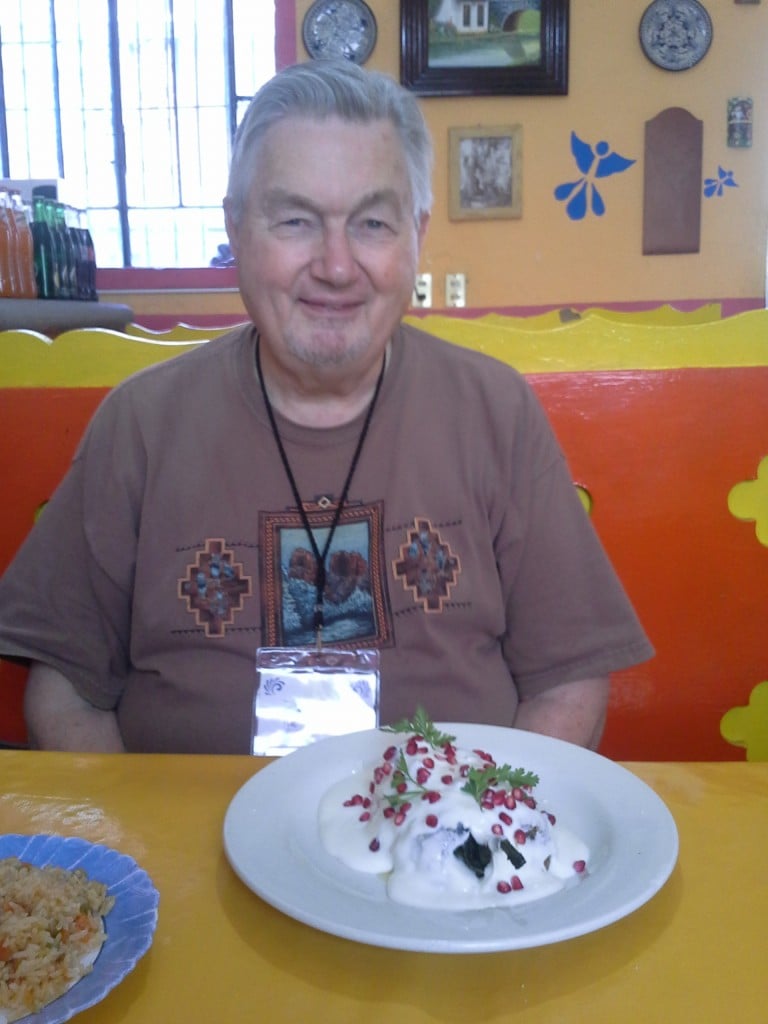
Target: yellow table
(695,953)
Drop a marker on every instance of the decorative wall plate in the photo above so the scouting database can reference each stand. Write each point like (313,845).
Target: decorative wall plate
(675,34)
(339,28)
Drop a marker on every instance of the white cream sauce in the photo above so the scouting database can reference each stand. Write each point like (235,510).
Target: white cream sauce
(417,853)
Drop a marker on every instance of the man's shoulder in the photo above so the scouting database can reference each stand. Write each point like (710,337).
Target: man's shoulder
(203,364)
(424,347)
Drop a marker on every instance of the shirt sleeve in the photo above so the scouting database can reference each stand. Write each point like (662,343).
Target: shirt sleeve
(567,613)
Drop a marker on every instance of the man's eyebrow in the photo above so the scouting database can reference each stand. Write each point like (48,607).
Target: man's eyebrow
(279,199)
(385,196)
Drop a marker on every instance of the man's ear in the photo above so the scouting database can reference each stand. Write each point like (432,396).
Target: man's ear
(421,229)
(233,233)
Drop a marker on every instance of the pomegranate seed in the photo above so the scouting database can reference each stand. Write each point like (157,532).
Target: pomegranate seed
(579,866)
(446,780)
(401,787)
(517,885)
(509,802)
(422,775)
(505,818)
(487,804)
(431,820)
(387,768)
(411,747)
(504,887)
(499,797)
(399,818)
(530,802)
(389,753)
(405,807)
(374,845)
(432,796)
(497,830)
(519,837)
(552,819)
(365,816)
(518,794)
(428,762)
(388,812)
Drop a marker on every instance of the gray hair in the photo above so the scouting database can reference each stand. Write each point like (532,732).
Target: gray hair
(329,88)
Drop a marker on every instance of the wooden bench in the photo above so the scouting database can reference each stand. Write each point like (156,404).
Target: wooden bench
(663,427)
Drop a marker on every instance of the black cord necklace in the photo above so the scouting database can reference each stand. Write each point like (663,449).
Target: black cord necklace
(320,556)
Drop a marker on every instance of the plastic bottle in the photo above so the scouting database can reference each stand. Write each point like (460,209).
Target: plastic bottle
(81,255)
(25,247)
(67,268)
(10,287)
(46,270)
(61,275)
(90,259)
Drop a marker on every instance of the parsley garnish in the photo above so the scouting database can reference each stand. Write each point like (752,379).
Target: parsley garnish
(421,725)
(480,779)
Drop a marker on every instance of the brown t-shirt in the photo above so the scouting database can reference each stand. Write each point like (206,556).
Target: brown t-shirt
(173,548)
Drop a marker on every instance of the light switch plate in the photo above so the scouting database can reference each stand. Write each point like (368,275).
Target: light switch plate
(455,289)
(422,291)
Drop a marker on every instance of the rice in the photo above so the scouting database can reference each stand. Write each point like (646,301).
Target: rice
(51,930)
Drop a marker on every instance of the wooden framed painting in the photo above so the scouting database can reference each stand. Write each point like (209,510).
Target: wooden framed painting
(485,172)
(484,47)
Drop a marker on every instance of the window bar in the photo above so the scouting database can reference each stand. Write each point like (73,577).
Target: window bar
(174,111)
(5,157)
(118,132)
(229,50)
(56,91)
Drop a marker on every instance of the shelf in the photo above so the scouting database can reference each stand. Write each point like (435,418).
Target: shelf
(54,316)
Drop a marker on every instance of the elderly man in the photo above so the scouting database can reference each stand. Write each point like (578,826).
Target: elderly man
(324,461)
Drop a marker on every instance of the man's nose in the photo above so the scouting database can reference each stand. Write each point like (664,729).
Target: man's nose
(335,261)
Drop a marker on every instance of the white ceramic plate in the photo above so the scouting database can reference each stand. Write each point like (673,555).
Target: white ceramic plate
(272,842)
(130,925)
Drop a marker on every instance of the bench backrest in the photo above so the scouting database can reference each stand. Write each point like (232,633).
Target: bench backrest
(669,455)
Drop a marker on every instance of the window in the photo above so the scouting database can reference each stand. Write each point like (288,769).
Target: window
(133,104)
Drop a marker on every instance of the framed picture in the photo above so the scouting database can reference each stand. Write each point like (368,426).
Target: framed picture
(485,172)
(484,47)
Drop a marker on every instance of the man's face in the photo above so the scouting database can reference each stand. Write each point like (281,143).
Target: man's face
(327,249)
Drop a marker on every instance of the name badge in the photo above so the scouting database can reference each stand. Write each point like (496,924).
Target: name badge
(307,694)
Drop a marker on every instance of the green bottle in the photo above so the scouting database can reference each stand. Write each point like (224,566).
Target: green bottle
(46,270)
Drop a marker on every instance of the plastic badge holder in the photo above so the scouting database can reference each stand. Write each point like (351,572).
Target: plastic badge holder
(307,694)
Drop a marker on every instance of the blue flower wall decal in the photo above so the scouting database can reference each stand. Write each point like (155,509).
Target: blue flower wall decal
(717,186)
(592,162)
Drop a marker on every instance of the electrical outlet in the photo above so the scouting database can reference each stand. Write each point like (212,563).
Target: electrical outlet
(422,291)
(455,289)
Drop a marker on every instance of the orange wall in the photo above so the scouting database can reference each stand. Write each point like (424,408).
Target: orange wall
(547,258)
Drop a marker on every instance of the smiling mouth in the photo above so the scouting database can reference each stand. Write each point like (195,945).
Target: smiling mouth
(322,307)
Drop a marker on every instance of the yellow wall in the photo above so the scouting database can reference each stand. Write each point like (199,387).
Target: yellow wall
(547,258)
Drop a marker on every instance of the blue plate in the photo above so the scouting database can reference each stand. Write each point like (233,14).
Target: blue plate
(130,925)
